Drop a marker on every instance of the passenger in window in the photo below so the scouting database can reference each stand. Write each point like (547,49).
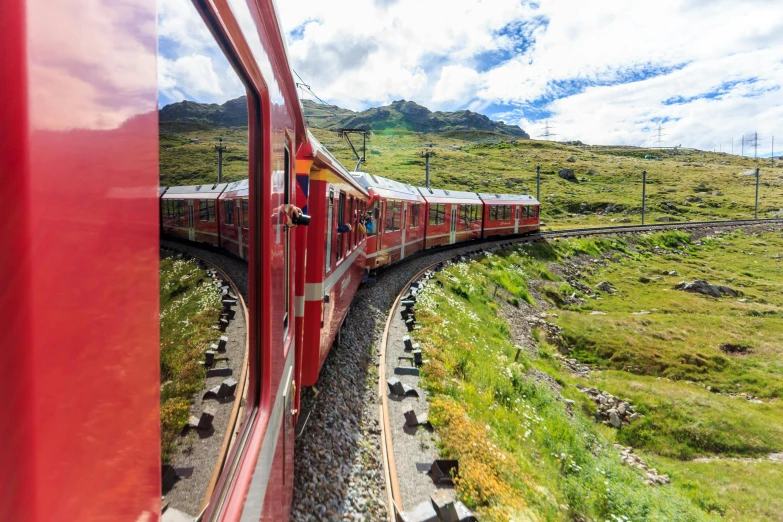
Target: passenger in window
(369,223)
(342,229)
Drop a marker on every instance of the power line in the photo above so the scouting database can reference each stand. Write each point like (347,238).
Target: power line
(302,83)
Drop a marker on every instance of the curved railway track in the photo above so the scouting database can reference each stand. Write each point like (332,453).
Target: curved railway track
(393,495)
(228,269)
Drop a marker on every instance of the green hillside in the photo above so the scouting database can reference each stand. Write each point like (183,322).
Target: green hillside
(682,184)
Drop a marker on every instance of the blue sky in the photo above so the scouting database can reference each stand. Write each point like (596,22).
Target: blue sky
(604,71)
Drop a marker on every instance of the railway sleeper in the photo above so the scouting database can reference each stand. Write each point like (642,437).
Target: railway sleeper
(440,508)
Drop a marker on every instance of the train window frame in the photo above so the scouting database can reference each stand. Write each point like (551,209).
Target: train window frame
(340,209)
(228,212)
(329,226)
(287,239)
(245,208)
(208,210)
(392,221)
(438,212)
(414,215)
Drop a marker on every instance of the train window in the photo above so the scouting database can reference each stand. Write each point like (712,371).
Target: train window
(372,221)
(180,210)
(414,220)
(393,219)
(340,222)
(437,214)
(228,211)
(245,214)
(329,221)
(206,211)
(493,212)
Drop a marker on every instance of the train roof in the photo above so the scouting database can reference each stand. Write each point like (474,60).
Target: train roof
(195,191)
(386,187)
(506,198)
(237,188)
(162,190)
(449,196)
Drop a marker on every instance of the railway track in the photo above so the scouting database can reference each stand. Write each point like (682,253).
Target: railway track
(393,491)
(198,494)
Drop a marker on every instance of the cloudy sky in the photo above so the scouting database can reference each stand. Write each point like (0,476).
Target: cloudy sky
(601,71)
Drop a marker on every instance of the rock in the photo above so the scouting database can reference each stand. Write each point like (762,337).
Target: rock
(693,199)
(701,286)
(592,172)
(643,279)
(571,159)
(669,206)
(614,418)
(567,174)
(665,219)
(635,416)
(607,287)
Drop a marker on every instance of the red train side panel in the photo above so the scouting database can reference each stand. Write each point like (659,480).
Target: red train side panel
(508,214)
(396,227)
(192,212)
(80,438)
(452,216)
(336,259)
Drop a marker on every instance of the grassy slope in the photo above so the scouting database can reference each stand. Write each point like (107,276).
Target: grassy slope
(507,167)
(474,383)
(189,306)
(464,160)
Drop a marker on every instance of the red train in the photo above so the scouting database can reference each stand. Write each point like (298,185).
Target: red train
(81,142)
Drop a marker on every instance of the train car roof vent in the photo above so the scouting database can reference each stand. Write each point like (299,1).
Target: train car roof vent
(198,187)
(446,192)
(214,186)
(373,178)
(497,196)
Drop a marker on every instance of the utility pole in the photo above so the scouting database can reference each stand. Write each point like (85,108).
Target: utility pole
(756,215)
(220,150)
(538,183)
(644,190)
(756,146)
(547,131)
(427,154)
(660,135)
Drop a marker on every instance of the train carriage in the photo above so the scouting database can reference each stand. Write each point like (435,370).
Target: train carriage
(508,214)
(192,212)
(234,212)
(452,216)
(335,255)
(396,225)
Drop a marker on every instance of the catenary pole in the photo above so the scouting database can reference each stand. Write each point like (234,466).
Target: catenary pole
(644,190)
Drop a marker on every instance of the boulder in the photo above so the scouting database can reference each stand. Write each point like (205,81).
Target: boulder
(614,418)
(669,206)
(665,219)
(571,159)
(567,174)
(607,287)
(592,172)
(701,286)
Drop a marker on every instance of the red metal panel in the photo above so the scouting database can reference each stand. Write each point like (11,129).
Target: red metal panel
(79,133)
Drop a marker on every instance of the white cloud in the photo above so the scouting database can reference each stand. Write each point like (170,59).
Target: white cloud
(601,71)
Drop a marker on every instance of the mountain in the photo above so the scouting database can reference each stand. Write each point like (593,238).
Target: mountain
(233,113)
(400,115)
(404,115)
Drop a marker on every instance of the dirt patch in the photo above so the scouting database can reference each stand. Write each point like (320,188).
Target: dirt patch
(736,349)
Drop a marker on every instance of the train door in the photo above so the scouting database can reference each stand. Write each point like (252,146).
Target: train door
(516,220)
(191,221)
(404,226)
(453,226)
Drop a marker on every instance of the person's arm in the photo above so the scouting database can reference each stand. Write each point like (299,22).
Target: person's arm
(342,229)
